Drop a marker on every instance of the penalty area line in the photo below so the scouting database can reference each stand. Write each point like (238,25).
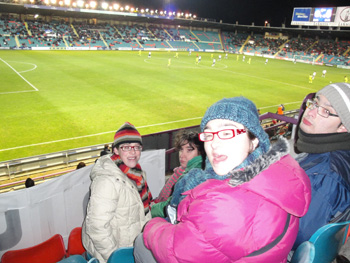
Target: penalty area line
(30,84)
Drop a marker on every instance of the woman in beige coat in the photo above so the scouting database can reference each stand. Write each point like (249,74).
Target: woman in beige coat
(119,202)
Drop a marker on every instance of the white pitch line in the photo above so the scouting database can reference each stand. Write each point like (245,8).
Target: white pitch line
(91,135)
(139,127)
(17,91)
(30,84)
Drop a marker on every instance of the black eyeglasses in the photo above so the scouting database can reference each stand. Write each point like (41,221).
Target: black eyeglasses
(223,134)
(322,111)
(128,148)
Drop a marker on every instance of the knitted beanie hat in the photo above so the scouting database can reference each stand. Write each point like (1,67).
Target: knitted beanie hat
(338,94)
(241,110)
(127,133)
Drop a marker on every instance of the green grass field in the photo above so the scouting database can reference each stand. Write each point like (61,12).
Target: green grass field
(58,100)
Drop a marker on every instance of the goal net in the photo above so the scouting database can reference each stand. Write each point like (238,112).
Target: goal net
(304,59)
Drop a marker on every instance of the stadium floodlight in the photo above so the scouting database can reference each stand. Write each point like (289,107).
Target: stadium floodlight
(36,16)
(60,3)
(186,15)
(161,12)
(142,11)
(80,3)
(115,6)
(194,16)
(122,9)
(156,11)
(178,14)
(93,4)
(132,9)
(32,1)
(104,5)
(127,8)
(46,2)
(190,15)
(74,4)
(152,12)
(67,2)
(147,10)
(164,12)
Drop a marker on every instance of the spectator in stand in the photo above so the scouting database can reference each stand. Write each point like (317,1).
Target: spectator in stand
(80,165)
(324,140)
(105,150)
(280,109)
(120,199)
(239,209)
(191,154)
(29,182)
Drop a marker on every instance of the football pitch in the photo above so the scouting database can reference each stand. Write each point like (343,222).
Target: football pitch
(57,100)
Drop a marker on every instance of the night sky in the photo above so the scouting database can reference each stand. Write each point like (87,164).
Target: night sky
(243,11)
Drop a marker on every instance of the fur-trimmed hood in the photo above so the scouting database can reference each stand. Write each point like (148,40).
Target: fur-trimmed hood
(278,150)
(274,175)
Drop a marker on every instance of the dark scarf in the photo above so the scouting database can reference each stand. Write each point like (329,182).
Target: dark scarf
(197,176)
(260,164)
(135,175)
(321,143)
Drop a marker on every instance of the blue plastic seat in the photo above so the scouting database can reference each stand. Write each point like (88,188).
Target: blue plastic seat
(305,253)
(122,255)
(74,259)
(324,244)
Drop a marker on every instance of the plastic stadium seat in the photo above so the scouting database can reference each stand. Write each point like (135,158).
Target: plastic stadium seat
(75,245)
(122,255)
(49,251)
(326,243)
(305,253)
(73,259)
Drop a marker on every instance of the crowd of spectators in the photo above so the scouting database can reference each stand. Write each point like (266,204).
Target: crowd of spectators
(16,33)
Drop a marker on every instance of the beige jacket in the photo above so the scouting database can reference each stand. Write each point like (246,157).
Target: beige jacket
(115,213)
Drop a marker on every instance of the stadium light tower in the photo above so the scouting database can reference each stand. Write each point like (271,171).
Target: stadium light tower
(104,5)
(80,3)
(93,4)
(115,6)
(67,2)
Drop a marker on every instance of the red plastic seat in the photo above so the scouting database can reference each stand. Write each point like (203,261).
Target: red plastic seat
(75,245)
(49,251)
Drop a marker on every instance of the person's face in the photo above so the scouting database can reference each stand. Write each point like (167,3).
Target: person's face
(130,158)
(225,155)
(314,123)
(186,153)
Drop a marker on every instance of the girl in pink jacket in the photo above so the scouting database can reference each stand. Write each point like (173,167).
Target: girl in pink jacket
(248,208)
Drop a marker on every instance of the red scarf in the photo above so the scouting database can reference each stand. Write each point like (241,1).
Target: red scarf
(135,175)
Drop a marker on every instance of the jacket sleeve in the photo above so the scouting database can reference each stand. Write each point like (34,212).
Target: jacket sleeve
(158,209)
(101,210)
(215,227)
(329,198)
(203,231)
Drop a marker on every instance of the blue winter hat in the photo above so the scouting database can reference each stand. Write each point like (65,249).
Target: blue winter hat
(241,110)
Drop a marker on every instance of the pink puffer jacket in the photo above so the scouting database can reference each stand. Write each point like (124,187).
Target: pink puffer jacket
(221,223)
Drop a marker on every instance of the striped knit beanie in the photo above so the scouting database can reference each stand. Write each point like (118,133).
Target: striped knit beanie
(241,110)
(338,94)
(127,133)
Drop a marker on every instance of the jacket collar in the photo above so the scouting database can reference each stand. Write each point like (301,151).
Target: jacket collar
(276,151)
